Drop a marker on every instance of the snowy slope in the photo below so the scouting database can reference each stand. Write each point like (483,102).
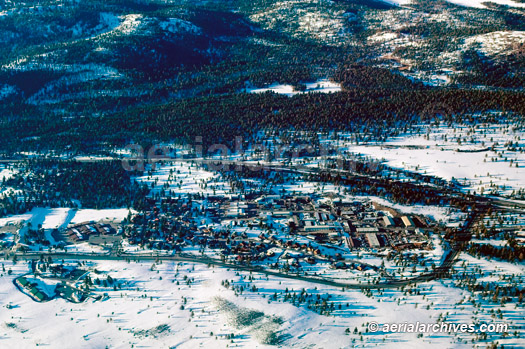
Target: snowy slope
(151,298)
(480,3)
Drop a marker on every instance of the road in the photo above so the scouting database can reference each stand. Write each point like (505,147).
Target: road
(345,175)
(482,203)
(437,273)
(368,179)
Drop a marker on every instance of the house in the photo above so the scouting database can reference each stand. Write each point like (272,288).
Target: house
(340,265)
(321,227)
(388,221)
(408,222)
(23,282)
(367,230)
(372,240)
(37,295)
(297,221)
(281,214)
(32,291)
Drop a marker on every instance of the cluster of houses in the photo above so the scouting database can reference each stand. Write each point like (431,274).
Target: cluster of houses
(48,281)
(168,225)
(379,230)
(31,289)
(86,231)
(359,225)
(296,223)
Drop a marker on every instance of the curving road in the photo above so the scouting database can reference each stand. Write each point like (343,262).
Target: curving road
(439,272)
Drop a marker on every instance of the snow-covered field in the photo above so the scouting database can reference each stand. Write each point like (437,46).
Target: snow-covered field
(458,152)
(59,218)
(185,306)
(445,215)
(183,178)
(6,173)
(51,218)
(322,86)
(106,215)
(382,37)
(398,2)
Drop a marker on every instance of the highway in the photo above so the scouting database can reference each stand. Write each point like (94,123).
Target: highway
(479,200)
(482,204)
(440,271)
(344,175)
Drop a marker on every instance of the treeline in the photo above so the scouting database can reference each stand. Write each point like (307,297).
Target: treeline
(395,191)
(30,81)
(192,83)
(375,114)
(505,72)
(50,183)
(372,114)
(511,292)
(354,76)
(514,253)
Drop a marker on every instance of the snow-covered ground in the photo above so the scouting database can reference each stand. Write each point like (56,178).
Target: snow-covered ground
(105,215)
(322,86)
(185,306)
(51,218)
(481,3)
(438,213)
(458,152)
(59,218)
(382,37)
(313,19)
(130,23)
(183,178)
(495,43)
(6,173)
(118,25)
(398,2)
